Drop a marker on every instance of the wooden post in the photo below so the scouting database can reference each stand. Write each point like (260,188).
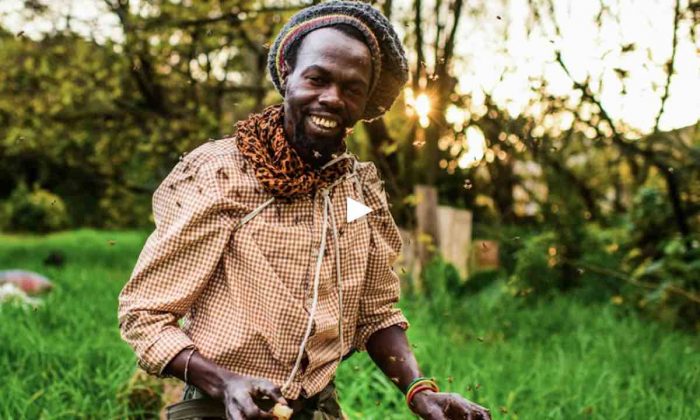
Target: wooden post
(427,231)
(455,237)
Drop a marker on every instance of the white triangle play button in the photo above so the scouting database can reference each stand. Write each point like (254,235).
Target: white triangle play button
(356,209)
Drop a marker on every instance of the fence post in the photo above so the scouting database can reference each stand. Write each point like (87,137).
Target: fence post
(427,230)
(455,237)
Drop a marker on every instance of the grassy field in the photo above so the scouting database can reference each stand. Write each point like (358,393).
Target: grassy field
(560,359)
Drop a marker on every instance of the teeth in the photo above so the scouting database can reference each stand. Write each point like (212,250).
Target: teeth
(323,122)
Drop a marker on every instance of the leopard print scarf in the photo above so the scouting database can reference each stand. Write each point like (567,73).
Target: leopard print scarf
(277,166)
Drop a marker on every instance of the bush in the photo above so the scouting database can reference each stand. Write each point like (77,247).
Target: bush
(35,210)
(534,266)
(443,282)
(510,240)
(544,263)
(121,207)
(596,269)
(642,263)
(440,278)
(663,267)
(650,221)
(481,280)
(667,286)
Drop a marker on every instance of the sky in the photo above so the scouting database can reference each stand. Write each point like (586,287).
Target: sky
(505,66)
(486,57)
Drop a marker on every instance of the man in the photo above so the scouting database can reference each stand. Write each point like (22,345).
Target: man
(255,248)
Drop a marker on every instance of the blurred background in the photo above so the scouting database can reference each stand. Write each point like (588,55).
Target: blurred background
(543,163)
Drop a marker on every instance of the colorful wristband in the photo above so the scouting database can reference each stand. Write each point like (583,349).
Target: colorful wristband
(415,381)
(419,385)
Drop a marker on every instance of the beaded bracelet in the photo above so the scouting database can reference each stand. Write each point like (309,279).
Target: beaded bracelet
(187,363)
(419,385)
(416,380)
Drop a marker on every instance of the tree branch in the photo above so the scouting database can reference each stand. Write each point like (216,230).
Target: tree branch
(634,149)
(669,176)
(450,42)
(232,18)
(420,58)
(440,26)
(669,65)
(387,8)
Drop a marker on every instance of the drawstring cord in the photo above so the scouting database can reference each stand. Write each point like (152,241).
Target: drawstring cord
(327,208)
(339,278)
(317,276)
(253,213)
(336,159)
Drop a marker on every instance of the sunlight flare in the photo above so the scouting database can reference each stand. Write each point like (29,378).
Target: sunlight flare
(422,107)
(475,150)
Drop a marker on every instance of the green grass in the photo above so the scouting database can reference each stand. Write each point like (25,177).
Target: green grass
(558,359)
(66,360)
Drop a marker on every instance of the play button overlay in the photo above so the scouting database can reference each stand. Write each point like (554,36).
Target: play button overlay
(356,209)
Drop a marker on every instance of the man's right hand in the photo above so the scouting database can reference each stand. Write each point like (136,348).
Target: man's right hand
(239,393)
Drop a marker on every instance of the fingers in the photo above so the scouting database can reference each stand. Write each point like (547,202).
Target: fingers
(250,409)
(243,405)
(233,412)
(481,413)
(454,408)
(240,400)
(466,410)
(448,410)
(262,387)
(438,415)
(434,414)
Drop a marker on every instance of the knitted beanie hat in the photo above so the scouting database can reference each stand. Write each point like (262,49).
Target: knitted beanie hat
(390,70)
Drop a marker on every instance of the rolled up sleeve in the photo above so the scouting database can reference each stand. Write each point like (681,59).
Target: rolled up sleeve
(193,225)
(381,289)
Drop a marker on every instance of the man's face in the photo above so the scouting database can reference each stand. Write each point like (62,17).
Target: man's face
(326,93)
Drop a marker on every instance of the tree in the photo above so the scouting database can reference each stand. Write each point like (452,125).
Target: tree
(101,122)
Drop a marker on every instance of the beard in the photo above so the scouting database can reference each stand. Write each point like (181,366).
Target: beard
(314,151)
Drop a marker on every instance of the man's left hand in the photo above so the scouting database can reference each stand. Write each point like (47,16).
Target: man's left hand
(447,406)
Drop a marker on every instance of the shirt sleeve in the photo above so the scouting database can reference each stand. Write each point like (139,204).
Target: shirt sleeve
(193,225)
(382,285)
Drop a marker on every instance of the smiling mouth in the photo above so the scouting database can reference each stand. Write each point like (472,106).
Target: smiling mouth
(323,123)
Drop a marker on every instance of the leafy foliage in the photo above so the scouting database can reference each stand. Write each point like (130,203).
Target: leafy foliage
(664,267)
(533,269)
(597,206)
(103,123)
(35,210)
(642,262)
(670,284)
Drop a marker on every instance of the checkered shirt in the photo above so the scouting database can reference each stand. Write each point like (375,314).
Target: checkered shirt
(244,294)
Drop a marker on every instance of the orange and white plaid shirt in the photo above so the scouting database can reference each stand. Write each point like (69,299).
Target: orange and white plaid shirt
(245,290)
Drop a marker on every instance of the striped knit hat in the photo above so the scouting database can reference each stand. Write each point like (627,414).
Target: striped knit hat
(388,57)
